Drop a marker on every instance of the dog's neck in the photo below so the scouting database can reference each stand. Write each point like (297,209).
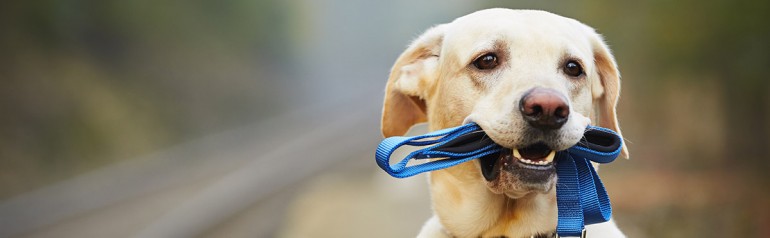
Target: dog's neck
(467,208)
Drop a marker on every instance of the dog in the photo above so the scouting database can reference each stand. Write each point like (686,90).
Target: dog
(533,81)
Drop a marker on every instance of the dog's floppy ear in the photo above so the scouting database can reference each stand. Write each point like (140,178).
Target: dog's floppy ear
(412,77)
(606,90)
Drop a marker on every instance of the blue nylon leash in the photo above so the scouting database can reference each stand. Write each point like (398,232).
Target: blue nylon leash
(580,195)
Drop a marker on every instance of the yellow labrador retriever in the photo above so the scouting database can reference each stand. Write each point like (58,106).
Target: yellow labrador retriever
(533,81)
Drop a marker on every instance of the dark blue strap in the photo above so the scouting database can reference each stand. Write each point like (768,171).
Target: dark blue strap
(580,194)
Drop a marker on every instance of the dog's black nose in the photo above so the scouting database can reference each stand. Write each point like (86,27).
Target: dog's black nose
(544,108)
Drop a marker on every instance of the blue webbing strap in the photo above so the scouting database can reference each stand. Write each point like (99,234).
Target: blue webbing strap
(573,169)
(568,201)
(580,194)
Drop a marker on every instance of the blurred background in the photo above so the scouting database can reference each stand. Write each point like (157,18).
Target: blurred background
(259,118)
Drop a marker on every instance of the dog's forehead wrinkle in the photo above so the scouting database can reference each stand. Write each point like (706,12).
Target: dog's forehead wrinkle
(489,44)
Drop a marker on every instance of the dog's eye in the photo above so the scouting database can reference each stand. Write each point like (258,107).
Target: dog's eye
(573,68)
(487,61)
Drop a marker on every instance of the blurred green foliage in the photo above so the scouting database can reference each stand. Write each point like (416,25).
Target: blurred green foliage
(85,83)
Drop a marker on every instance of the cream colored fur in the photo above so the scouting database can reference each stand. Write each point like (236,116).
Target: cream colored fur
(434,81)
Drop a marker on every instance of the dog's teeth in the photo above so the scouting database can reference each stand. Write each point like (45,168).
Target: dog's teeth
(548,159)
(550,156)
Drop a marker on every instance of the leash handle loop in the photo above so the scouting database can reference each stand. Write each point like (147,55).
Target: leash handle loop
(436,140)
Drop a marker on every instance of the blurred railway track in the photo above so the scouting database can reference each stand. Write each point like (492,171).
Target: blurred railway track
(187,190)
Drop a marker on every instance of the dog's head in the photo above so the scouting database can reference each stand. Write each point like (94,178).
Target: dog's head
(531,79)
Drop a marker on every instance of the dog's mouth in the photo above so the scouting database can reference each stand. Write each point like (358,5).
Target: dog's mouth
(529,168)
